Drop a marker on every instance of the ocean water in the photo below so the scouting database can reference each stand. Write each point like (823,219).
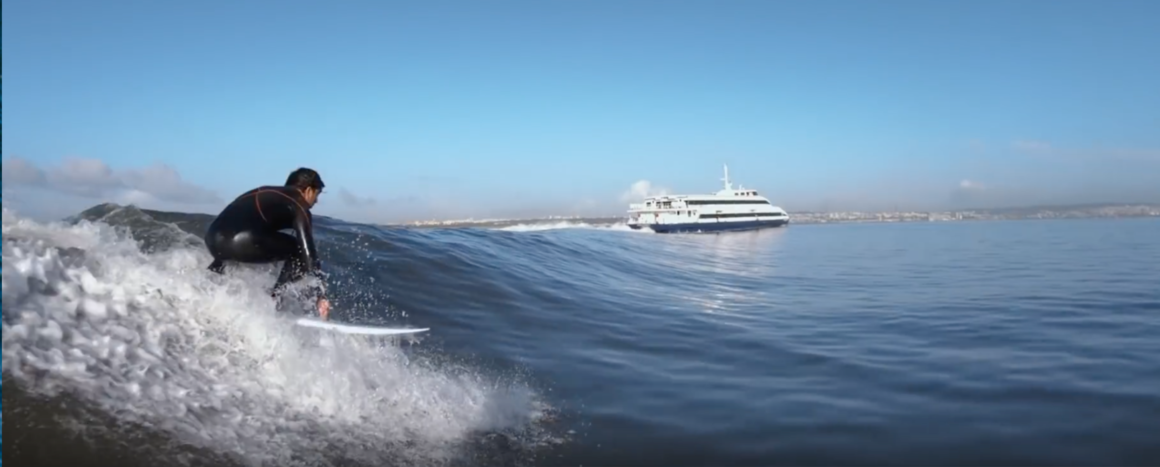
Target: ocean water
(972,343)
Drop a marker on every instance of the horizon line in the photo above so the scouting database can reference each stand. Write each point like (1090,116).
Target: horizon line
(609,216)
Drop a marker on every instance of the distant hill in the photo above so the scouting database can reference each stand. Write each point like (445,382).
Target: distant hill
(1055,207)
(1012,210)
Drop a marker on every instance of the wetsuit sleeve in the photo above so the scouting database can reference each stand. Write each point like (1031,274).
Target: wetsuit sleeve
(304,227)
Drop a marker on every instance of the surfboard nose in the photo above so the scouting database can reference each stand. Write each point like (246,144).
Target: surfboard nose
(355,328)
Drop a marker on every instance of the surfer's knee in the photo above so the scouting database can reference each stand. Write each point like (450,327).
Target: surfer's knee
(217,266)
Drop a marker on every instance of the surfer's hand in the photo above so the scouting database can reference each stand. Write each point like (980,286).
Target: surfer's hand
(323,308)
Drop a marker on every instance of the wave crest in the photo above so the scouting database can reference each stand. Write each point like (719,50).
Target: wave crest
(534,227)
(154,339)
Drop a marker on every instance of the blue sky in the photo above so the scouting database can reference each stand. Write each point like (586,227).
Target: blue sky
(449,109)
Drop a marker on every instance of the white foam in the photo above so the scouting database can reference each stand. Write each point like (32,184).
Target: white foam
(536,227)
(158,340)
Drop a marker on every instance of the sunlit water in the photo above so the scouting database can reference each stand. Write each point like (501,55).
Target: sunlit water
(1016,343)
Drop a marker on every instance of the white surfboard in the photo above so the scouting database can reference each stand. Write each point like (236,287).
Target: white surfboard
(355,328)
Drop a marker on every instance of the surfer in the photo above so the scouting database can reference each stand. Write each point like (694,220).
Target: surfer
(247,231)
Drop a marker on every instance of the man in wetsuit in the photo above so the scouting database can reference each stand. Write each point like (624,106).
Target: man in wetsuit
(247,231)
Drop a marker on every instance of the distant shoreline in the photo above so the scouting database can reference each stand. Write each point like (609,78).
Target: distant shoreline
(1093,211)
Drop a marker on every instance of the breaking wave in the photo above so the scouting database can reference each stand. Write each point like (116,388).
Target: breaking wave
(128,324)
(533,227)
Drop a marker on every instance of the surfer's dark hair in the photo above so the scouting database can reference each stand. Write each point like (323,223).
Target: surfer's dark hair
(304,178)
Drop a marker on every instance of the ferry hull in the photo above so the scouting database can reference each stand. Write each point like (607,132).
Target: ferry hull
(706,227)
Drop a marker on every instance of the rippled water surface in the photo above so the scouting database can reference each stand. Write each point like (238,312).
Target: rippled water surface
(970,343)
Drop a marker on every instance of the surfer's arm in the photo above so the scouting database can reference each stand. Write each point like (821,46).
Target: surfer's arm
(309,255)
(304,228)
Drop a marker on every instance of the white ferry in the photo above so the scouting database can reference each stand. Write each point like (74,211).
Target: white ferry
(728,209)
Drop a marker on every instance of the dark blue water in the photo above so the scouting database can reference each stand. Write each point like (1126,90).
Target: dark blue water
(971,343)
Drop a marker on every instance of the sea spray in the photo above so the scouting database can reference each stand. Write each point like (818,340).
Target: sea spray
(157,341)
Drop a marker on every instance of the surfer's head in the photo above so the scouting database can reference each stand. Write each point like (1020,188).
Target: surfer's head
(308,182)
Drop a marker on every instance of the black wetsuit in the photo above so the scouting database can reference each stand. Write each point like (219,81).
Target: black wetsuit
(247,231)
